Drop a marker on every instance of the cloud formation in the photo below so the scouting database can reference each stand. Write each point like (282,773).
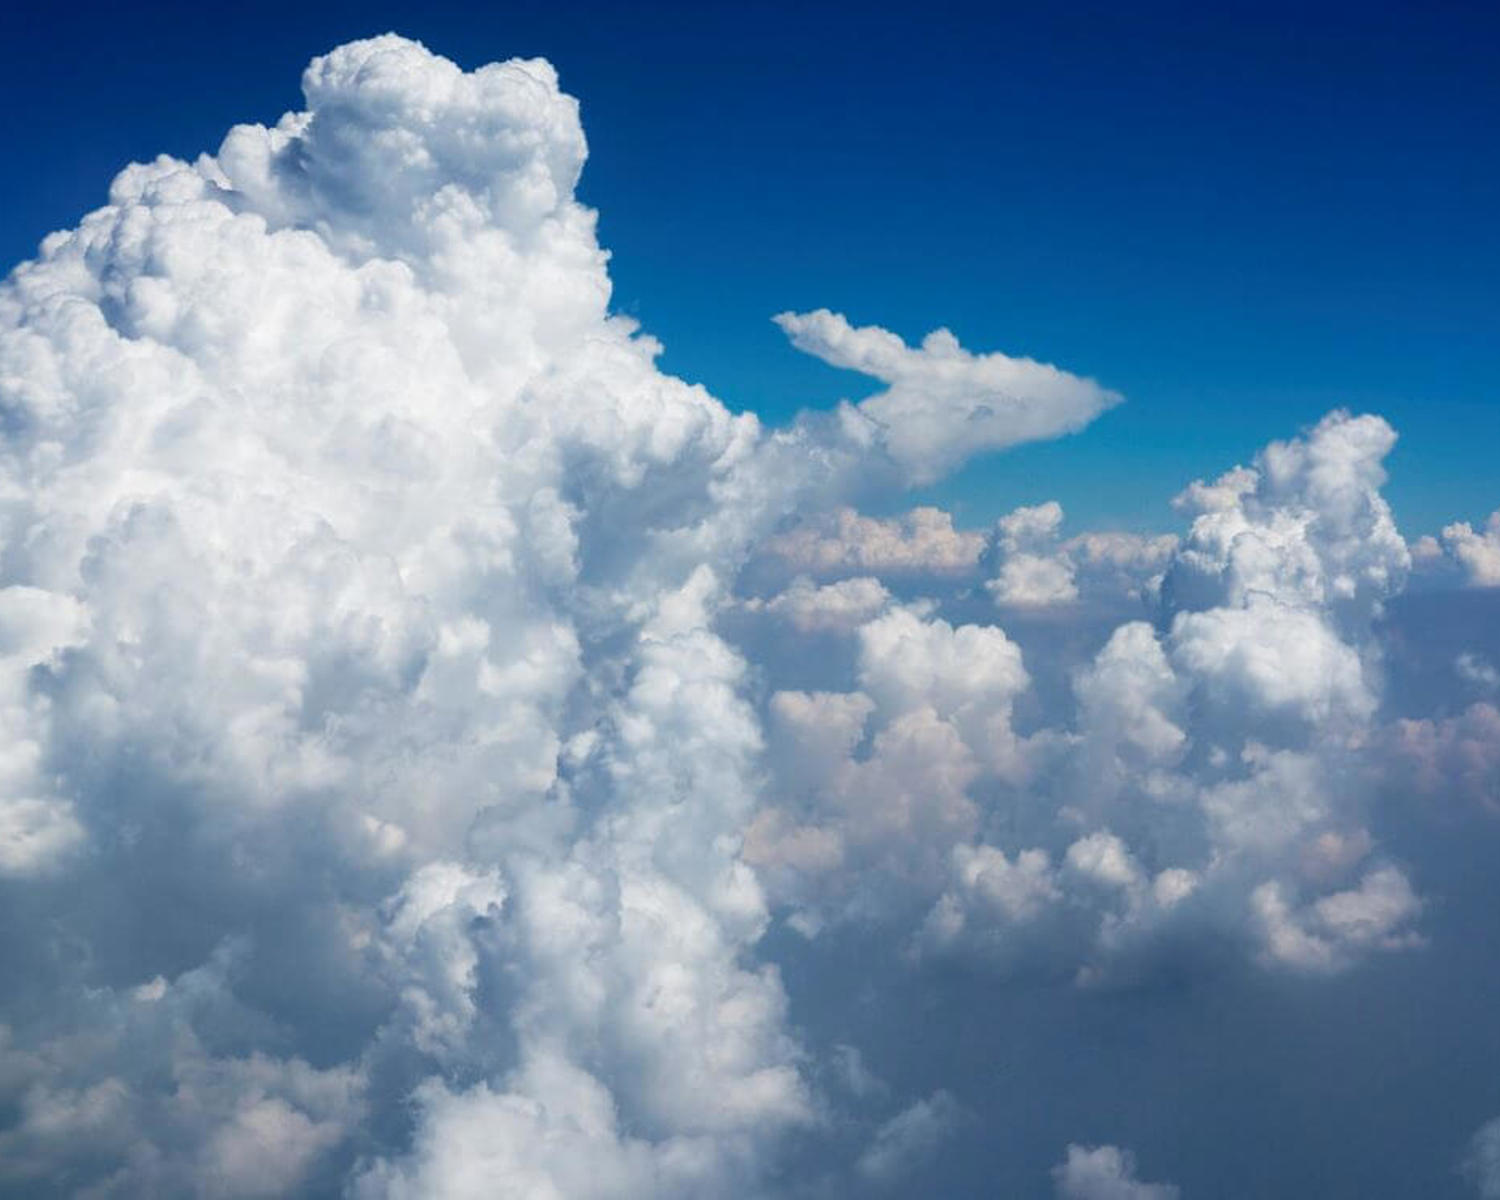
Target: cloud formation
(1477,553)
(1482,1164)
(1105,1173)
(408,790)
(942,404)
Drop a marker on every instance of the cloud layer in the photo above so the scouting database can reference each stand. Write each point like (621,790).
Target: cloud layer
(436,737)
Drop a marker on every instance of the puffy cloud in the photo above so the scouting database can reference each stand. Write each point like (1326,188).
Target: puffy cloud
(1446,757)
(1325,934)
(357,585)
(1132,700)
(988,896)
(128,1090)
(1270,659)
(1026,528)
(1030,580)
(38,827)
(1200,784)
(943,404)
(1120,564)
(1477,553)
(1036,569)
(907,662)
(872,795)
(1306,526)
(1105,1173)
(923,540)
(838,607)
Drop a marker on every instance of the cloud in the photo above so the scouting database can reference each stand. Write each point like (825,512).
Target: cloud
(911,1136)
(412,785)
(1455,757)
(1105,1173)
(368,557)
(1482,1163)
(1476,671)
(1305,526)
(1037,569)
(1340,925)
(844,542)
(1478,554)
(942,404)
(1031,581)
(837,607)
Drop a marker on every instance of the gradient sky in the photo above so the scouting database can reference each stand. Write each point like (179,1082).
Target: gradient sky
(1237,215)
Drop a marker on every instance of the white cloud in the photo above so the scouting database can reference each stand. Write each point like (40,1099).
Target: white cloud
(1031,581)
(1030,527)
(362,585)
(1449,758)
(942,404)
(1105,1173)
(1478,553)
(988,894)
(1374,916)
(840,607)
(906,661)
(1037,569)
(1132,699)
(923,540)
(1306,526)
(1271,659)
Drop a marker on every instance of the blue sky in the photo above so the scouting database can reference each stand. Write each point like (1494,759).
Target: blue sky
(1237,215)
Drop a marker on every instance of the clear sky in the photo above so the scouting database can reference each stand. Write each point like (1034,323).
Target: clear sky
(1238,215)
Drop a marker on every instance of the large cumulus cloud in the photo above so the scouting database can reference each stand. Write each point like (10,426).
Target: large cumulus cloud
(432,732)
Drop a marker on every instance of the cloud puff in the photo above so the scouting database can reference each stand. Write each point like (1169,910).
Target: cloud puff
(1037,568)
(942,404)
(1373,915)
(923,540)
(1032,581)
(837,607)
(1105,1173)
(1449,757)
(1305,526)
(1478,553)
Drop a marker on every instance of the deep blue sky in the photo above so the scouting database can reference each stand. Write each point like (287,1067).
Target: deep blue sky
(1237,215)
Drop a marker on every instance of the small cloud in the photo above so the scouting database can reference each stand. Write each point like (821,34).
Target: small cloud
(1105,1173)
(910,1138)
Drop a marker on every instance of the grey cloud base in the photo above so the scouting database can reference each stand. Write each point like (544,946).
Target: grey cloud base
(448,757)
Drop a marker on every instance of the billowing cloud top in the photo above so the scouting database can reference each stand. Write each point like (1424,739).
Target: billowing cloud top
(408,789)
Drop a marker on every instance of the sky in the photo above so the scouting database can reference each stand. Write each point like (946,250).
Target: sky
(1256,212)
(676,603)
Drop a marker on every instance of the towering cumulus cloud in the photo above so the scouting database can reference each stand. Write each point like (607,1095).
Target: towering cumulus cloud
(427,744)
